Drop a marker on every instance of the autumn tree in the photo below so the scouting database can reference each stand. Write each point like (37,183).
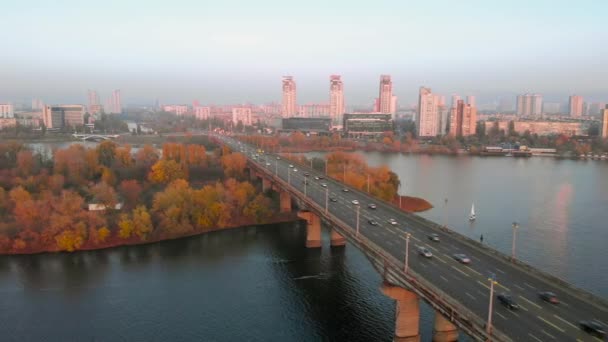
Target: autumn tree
(106,152)
(130,190)
(25,162)
(234,165)
(104,194)
(166,171)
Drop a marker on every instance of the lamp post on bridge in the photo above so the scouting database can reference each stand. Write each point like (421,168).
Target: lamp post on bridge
(358,207)
(445,213)
(305,183)
(515,226)
(407,252)
(326,198)
(289,176)
(493,282)
(368,183)
(276,167)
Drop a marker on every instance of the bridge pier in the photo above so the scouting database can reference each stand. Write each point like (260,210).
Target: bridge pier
(285,199)
(337,240)
(313,228)
(266,185)
(407,317)
(444,330)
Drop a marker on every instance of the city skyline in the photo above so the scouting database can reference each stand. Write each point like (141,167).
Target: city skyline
(193,55)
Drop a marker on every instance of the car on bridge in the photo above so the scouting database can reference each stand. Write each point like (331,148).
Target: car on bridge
(333,199)
(373,222)
(321,177)
(324,185)
(392,221)
(316,177)
(372,206)
(462,258)
(355,202)
(345,190)
(424,252)
(267,164)
(593,328)
(291,166)
(295,170)
(306,174)
(278,158)
(433,237)
(507,301)
(549,297)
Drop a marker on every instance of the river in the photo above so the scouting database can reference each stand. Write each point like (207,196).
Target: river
(262,284)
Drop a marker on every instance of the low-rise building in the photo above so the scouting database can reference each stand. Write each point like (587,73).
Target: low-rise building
(306,125)
(176,109)
(540,127)
(6,111)
(60,116)
(371,124)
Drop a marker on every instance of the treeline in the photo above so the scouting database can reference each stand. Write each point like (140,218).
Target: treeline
(137,196)
(297,142)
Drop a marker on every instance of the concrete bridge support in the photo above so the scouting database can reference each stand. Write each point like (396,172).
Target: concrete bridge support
(266,185)
(285,200)
(407,318)
(444,330)
(337,240)
(313,229)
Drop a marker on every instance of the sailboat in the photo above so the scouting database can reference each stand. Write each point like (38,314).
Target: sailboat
(472,217)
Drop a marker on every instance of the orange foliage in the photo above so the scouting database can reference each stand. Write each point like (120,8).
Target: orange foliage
(234,164)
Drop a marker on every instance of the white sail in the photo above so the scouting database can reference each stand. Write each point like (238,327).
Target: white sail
(472,216)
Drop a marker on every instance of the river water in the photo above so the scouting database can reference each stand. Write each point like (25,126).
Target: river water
(262,284)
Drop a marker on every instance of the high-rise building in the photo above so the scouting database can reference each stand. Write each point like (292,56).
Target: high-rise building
(529,104)
(336,99)
(393,108)
(6,111)
(37,104)
(595,108)
(202,113)
(114,104)
(59,116)
(604,125)
(289,97)
(455,99)
(463,119)
(428,120)
(242,114)
(386,94)
(576,105)
(471,101)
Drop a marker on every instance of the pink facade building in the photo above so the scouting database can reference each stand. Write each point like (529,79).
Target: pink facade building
(428,120)
(289,97)
(336,99)
(540,127)
(463,119)
(176,109)
(385,97)
(242,114)
(202,113)
(604,123)
(576,106)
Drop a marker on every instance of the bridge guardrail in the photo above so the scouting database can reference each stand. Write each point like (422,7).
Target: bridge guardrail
(465,319)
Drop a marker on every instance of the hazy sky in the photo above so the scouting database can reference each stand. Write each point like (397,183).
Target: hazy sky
(227,51)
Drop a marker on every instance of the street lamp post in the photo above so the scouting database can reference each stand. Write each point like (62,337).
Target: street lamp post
(493,282)
(445,213)
(358,207)
(515,227)
(326,199)
(305,182)
(276,167)
(368,183)
(407,252)
(289,176)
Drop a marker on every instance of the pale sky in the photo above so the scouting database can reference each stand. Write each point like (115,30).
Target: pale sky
(229,51)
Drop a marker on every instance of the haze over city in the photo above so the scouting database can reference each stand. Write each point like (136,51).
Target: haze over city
(237,51)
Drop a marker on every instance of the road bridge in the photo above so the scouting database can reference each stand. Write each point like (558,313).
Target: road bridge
(459,293)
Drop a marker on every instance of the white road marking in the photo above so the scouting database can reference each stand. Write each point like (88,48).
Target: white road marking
(472,270)
(534,337)
(530,286)
(516,315)
(470,295)
(519,287)
(551,324)
(500,315)
(459,270)
(499,270)
(444,278)
(523,307)
(433,248)
(438,258)
(531,302)
(484,285)
(546,333)
(563,320)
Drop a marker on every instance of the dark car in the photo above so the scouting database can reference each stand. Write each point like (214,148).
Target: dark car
(372,206)
(507,301)
(321,177)
(373,222)
(433,237)
(306,174)
(593,328)
(333,199)
(549,297)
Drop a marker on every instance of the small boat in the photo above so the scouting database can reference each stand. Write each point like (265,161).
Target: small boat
(472,217)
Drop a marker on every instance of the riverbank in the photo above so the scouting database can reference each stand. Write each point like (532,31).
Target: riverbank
(116,242)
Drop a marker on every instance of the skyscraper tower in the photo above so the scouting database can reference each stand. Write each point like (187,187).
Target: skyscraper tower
(576,105)
(604,123)
(336,99)
(428,119)
(115,104)
(289,97)
(386,94)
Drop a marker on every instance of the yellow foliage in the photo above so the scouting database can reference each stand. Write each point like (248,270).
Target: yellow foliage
(69,240)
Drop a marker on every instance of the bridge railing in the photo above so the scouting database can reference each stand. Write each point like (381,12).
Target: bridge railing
(454,310)
(577,292)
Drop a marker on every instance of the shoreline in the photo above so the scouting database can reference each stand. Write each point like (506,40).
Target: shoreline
(276,219)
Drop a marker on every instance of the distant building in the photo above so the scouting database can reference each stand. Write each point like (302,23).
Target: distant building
(604,123)
(306,125)
(371,124)
(529,104)
(576,106)
(60,116)
(202,113)
(463,119)
(595,108)
(37,104)
(289,97)
(6,111)
(552,107)
(176,109)
(385,99)
(242,114)
(336,99)
(314,110)
(94,106)
(540,127)
(428,120)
